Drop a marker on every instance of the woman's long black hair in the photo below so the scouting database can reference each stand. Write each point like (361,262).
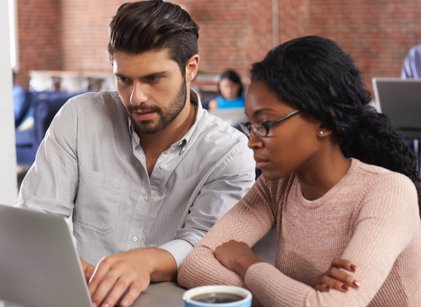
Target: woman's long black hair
(314,75)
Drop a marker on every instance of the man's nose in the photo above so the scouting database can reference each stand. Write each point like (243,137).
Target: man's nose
(138,95)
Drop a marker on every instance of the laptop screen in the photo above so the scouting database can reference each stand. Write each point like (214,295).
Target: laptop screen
(39,264)
(400,100)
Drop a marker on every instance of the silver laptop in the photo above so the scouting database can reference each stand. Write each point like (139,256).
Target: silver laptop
(39,265)
(400,100)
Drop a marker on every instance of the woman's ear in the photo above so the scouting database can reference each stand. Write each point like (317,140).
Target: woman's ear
(323,131)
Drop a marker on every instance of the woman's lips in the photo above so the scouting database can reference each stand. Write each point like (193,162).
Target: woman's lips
(261,163)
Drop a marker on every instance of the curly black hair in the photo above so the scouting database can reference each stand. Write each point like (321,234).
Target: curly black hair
(316,76)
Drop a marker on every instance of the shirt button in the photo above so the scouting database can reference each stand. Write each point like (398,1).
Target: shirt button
(134,239)
(162,166)
(147,198)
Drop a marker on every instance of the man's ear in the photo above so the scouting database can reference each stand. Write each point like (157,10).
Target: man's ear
(192,67)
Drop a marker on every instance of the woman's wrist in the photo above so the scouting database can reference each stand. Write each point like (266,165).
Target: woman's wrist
(243,263)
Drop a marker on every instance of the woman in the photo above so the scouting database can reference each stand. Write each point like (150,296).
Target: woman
(336,184)
(230,92)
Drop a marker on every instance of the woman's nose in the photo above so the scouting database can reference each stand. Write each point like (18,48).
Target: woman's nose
(254,141)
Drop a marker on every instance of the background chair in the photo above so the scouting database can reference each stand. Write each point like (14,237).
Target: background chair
(44,106)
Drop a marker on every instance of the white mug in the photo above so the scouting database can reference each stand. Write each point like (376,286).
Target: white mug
(217,295)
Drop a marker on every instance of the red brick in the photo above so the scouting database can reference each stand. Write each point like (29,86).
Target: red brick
(73,34)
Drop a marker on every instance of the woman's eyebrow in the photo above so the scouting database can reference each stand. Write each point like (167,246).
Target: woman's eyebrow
(260,112)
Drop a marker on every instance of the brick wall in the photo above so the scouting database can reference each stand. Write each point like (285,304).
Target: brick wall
(232,33)
(85,33)
(377,34)
(39,30)
(72,34)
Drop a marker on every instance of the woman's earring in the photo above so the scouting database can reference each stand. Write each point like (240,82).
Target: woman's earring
(321,132)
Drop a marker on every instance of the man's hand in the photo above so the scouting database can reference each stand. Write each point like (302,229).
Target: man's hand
(131,271)
(336,278)
(236,256)
(87,268)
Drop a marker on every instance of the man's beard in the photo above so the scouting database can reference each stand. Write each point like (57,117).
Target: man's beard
(167,115)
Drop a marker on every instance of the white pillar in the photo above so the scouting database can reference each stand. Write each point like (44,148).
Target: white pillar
(8,182)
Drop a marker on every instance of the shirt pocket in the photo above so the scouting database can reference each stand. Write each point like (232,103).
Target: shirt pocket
(97,206)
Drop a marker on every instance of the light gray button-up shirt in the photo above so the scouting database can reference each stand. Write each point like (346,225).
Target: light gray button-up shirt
(91,169)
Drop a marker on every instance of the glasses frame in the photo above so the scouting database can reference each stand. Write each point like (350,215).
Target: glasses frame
(248,127)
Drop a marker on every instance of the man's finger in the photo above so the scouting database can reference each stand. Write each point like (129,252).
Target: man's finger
(105,287)
(87,268)
(134,291)
(120,285)
(89,271)
(102,268)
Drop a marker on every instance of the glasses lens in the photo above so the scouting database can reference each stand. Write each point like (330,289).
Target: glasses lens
(260,130)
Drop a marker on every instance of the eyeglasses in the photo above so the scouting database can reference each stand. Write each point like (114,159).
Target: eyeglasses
(262,129)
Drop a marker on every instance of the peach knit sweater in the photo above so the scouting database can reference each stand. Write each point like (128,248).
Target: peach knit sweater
(369,217)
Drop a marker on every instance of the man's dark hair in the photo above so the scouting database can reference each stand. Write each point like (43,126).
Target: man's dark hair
(153,25)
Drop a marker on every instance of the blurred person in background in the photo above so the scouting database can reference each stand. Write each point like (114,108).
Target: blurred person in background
(230,92)
(411,68)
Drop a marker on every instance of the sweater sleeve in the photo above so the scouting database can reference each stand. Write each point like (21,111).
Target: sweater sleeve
(201,267)
(386,223)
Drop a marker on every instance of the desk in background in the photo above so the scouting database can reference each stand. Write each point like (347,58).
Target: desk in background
(70,81)
(233,116)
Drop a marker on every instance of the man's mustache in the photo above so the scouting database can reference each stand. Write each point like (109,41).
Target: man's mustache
(143,107)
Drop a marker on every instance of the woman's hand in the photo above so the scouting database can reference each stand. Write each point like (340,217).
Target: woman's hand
(236,256)
(336,278)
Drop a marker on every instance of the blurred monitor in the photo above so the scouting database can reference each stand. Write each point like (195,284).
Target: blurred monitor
(400,100)
(234,116)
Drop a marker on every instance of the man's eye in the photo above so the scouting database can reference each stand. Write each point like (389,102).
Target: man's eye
(152,79)
(122,79)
